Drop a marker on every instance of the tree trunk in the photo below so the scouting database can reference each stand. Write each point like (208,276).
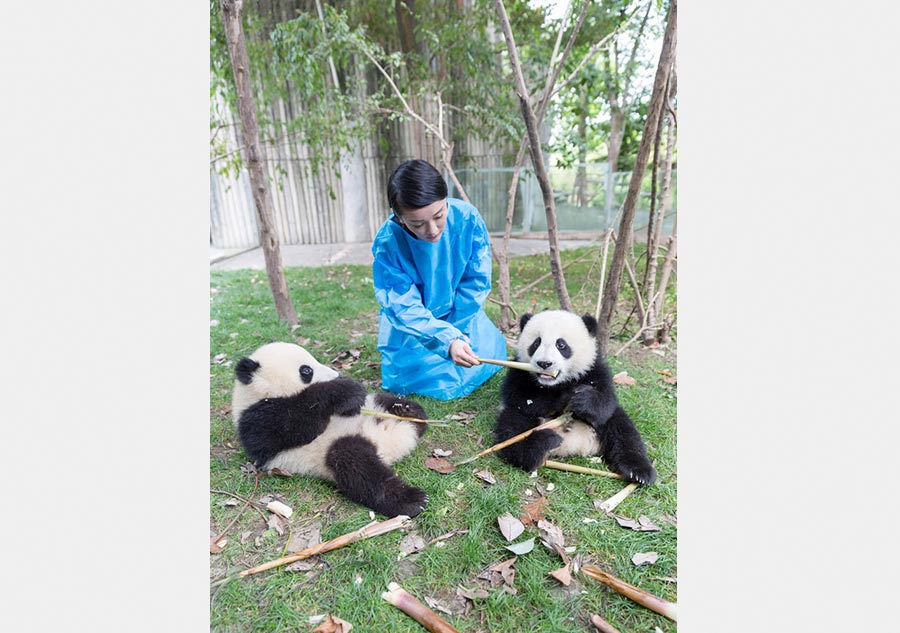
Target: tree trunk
(657,99)
(537,158)
(662,334)
(255,159)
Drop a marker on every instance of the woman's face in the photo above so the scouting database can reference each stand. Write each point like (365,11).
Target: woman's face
(426,223)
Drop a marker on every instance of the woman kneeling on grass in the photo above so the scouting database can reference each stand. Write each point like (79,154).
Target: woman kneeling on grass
(432,275)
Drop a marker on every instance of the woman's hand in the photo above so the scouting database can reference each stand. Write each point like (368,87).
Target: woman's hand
(462,354)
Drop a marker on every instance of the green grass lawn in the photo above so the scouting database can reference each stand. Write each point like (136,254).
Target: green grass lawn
(337,313)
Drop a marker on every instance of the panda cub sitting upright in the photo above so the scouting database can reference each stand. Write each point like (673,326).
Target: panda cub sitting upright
(295,414)
(560,340)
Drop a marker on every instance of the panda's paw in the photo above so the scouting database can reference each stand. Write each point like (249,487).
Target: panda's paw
(584,403)
(636,468)
(401,498)
(408,409)
(536,448)
(352,400)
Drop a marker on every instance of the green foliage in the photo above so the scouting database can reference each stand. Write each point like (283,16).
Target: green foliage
(337,311)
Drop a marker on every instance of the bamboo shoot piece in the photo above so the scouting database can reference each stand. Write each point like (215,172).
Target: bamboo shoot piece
(602,625)
(549,424)
(407,603)
(574,468)
(643,598)
(610,504)
(514,364)
(373,529)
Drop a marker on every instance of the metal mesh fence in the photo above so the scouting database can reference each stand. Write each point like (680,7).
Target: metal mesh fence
(581,200)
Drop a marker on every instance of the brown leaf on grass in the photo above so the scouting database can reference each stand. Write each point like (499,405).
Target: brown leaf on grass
(276,523)
(437,605)
(411,543)
(471,594)
(506,571)
(510,526)
(249,468)
(622,378)
(217,546)
(671,381)
(463,416)
(439,465)
(486,475)
(642,524)
(534,511)
(304,537)
(245,536)
(551,536)
(333,624)
(562,575)
(644,558)
(280,473)
(301,565)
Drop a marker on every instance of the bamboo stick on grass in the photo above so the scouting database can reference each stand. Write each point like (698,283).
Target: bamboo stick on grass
(408,603)
(574,468)
(643,598)
(549,424)
(373,529)
(610,504)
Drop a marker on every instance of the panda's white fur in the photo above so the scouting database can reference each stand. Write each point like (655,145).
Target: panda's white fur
(296,414)
(562,343)
(277,376)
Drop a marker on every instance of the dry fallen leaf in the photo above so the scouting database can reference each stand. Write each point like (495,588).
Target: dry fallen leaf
(439,465)
(280,472)
(510,526)
(552,536)
(522,547)
(437,605)
(486,476)
(505,569)
(622,378)
(411,543)
(303,538)
(276,523)
(644,558)
(245,536)
(562,575)
(471,594)
(534,511)
(333,624)
(301,565)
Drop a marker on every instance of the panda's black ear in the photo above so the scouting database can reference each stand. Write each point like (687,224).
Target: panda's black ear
(590,323)
(525,319)
(244,369)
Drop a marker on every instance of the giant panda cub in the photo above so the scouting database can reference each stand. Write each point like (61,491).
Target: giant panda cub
(560,340)
(295,414)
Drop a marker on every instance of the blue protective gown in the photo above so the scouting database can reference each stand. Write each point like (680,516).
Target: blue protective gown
(430,295)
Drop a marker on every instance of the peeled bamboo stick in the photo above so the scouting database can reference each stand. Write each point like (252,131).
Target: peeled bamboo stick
(514,364)
(382,414)
(602,625)
(610,504)
(643,598)
(408,603)
(549,424)
(373,529)
(574,468)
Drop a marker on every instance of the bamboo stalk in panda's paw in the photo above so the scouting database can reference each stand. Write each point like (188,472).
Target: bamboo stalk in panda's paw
(382,414)
(514,364)
(549,424)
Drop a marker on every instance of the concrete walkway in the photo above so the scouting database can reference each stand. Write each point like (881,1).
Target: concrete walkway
(361,252)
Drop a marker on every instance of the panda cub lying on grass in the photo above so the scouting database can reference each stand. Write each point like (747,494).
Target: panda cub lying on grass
(560,340)
(295,414)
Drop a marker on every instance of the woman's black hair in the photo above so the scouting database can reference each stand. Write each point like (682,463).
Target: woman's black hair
(413,185)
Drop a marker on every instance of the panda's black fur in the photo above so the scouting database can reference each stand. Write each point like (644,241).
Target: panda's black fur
(295,414)
(560,340)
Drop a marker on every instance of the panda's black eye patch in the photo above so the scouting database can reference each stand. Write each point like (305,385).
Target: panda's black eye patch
(306,373)
(534,345)
(563,348)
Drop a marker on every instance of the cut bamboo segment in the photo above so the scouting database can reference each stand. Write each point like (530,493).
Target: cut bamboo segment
(373,529)
(549,424)
(514,364)
(382,414)
(411,606)
(610,504)
(643,598)
(574,468)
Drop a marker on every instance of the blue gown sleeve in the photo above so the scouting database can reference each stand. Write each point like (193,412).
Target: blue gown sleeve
(475,284)
(402,305)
